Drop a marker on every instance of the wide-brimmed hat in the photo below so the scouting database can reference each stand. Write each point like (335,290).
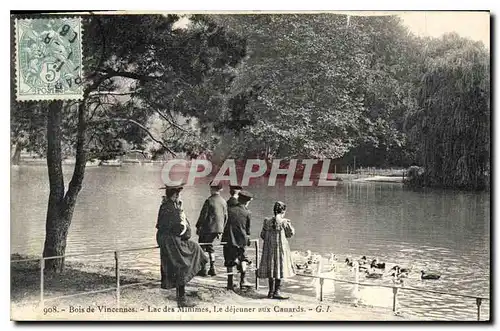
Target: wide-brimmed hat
(216,185)
(173,187)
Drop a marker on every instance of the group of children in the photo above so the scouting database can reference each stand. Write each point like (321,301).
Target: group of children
(182,258)
(233,228)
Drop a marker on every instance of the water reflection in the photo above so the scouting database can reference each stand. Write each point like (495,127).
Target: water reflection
(445,231)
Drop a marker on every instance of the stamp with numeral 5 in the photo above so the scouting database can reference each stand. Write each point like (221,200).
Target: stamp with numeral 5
(49,59)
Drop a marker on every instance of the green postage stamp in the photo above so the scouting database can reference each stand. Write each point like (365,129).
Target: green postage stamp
(49,59)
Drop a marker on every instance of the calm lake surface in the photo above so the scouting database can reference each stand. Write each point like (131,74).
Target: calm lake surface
(443,231)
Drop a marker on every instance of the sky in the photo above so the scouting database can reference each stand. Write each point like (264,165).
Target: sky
(473,25)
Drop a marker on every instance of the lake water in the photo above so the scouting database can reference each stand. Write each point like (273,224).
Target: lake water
(444,231)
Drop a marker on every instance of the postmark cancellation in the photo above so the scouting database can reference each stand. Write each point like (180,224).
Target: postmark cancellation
(49,59)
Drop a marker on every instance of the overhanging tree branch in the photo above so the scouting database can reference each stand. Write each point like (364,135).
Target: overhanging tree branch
(97,93)
(166,116)
(142,127)
(132,75)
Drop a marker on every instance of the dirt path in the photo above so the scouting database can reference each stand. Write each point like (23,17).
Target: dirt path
(149,302)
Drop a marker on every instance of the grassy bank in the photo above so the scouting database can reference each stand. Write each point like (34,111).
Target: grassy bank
(149,302)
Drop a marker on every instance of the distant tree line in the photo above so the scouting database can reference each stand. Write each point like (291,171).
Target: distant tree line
(362,88)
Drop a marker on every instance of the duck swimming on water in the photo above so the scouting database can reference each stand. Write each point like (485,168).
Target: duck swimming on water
(331,262)
(361,262)
(300,260)
(316,258)
(351,263)
(375,264)
(425,275)
(399,269)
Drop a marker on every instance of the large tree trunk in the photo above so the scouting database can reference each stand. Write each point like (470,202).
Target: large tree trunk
(56,227)
(60,208)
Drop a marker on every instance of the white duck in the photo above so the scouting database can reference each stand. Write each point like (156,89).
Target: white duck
(315,259)
(373,273)
(331,262)
(300,260)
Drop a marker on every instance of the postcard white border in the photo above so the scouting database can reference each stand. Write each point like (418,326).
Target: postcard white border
(207,5)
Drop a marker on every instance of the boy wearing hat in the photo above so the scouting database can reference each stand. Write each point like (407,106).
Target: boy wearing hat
(234,191)
(237,237)
(181,258)
(210,225)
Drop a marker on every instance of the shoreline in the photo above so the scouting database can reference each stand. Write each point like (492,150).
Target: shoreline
(149,302)
(333,178)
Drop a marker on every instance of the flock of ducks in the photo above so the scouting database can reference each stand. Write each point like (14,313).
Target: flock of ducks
(373,269)
(376,269)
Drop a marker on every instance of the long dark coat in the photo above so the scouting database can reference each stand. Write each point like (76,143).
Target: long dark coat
(213,215)
(181,258)
(232,201)
(237,229)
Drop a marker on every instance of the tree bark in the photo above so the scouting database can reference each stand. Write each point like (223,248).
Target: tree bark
(61,206)
(56,227)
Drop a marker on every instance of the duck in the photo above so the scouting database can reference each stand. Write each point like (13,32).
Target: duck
(399,269)
(307,270)
(300,266)
(351,264)
(331,262)
(363,260)
(331,268)
(314,258)
(300,259)
(375,264)
(425,275)
(332,257)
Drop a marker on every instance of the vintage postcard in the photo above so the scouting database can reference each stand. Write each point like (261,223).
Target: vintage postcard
(314,166)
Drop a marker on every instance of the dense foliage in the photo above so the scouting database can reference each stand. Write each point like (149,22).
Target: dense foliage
(451,127)
(282,86)
(362,89)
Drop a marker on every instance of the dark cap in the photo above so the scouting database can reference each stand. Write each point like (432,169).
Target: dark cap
(217,185)
(235,187)
(173,187)
(245,196)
